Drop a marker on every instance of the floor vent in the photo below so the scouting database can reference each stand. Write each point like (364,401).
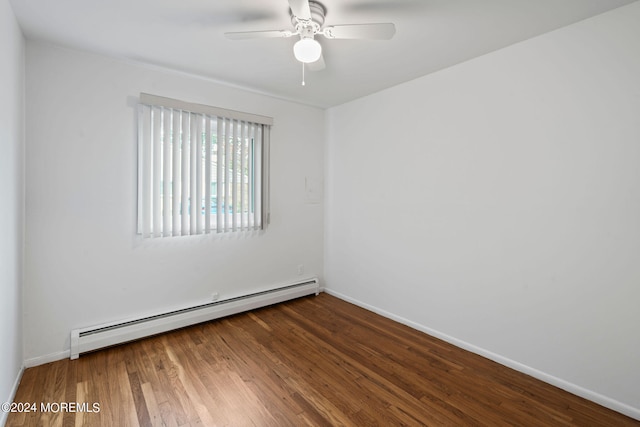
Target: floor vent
(100,336)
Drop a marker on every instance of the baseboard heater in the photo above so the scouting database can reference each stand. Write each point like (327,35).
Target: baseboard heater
(100,336)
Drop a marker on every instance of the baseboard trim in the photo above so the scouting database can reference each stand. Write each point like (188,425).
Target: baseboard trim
(591,395)
(47,358)
(4,415)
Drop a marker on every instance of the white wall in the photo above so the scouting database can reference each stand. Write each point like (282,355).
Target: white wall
(84,264)
(497,204)
(11,200)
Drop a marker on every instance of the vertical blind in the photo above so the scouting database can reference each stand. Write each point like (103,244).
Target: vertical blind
(201,169)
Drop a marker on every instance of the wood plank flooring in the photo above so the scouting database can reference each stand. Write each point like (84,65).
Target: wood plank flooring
(315,361)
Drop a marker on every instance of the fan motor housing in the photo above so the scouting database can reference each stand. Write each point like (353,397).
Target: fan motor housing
(318,12)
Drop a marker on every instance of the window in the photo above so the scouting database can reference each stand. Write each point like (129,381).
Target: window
(201,169)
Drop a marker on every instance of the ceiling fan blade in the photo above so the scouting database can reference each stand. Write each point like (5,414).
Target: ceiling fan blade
(245,35)
(360,31)
(205,18)
(300,9)
(319,65)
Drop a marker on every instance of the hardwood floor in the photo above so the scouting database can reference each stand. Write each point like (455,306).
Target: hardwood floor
(313,361)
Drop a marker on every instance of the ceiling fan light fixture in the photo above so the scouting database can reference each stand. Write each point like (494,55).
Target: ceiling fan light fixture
(307,50)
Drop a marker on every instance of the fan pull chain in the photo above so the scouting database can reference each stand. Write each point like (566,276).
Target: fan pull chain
(303,82)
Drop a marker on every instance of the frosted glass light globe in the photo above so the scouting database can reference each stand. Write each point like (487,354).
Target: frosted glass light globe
(307,50)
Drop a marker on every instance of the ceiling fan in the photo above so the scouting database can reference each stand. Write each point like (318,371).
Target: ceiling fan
(307,18)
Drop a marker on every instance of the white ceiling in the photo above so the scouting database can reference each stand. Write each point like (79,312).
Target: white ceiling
(188,35)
